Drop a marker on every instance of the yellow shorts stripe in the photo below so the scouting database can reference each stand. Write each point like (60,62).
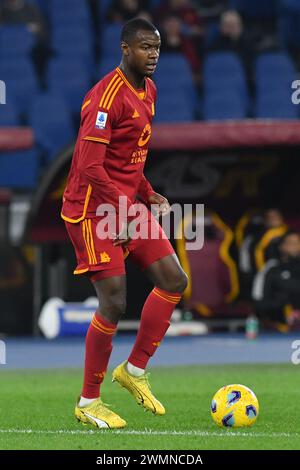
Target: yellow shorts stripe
(92,246)
(90,241)
(80,271)
(85,237)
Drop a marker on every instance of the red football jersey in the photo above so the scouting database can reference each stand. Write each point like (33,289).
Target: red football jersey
(119,116)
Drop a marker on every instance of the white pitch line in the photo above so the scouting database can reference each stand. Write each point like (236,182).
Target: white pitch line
(150,432)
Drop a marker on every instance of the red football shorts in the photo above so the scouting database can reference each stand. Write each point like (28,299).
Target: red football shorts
(97,255)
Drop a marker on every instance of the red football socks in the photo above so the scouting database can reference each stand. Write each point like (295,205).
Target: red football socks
(98,347)
(155,321)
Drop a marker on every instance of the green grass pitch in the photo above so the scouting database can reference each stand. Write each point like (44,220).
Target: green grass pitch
(36,410)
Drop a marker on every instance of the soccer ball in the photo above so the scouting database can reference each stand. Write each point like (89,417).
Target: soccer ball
(234,406)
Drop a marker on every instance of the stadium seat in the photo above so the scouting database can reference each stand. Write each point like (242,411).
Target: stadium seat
(109,41)
(52,123)
(73,42)
(274,74)
(16,40)
(275,105)
(105,66)
(9,115)
(290,5)
(71,78)
(224,105)
(103,6)
(274,71)
(225,64)
(289,23)
(173,84)
(225,86)
(172,108)
(19,170)
(76,11)
(256,9)
(270,64)
(19,73)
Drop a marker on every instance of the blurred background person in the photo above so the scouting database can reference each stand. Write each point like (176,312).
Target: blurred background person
(276,289)
(233,37)
(210,9)
(193,24)
(124,10)
(175,40)
(260,244)
(23,13)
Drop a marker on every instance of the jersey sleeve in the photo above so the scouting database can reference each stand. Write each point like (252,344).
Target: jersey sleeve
(97,116)
(145,189)
(91,167)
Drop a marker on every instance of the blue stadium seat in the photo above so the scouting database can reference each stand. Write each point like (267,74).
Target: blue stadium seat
(224,71)
(173,77)
(19,170)
(9,115)
(43,5)
(105,66)
(236,83)
(274,71)
(255,9)
(103,6)
(109,41)
(173,109)
(16,40)
(274,63)
(290,5)
(70,77)
(174,64)
(224,105)
(20,75)
(73,42)
(176,90)
(275,105)
(52,123)
(66,11)
(289,23)
(222,64)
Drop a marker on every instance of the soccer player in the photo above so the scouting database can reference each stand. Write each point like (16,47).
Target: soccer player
(107,167)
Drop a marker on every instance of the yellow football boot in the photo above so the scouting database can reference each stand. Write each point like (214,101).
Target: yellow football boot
(138,387)
(99,415)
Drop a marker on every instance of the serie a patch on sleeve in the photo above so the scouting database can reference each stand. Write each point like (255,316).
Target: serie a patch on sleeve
(101,120)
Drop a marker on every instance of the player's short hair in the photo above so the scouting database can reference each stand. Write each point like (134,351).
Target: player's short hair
(131,28)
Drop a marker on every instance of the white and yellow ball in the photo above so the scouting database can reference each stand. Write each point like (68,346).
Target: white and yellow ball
(234,406)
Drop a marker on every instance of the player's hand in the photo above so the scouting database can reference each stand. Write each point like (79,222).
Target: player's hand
(122,238)
(161,203)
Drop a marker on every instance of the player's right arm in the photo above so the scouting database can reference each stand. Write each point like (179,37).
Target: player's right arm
(90,166)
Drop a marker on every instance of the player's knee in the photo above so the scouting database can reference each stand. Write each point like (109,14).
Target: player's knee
(115,307)
(177,283)
(181,282)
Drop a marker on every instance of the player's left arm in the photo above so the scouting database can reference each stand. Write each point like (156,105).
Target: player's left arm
(145,190)
(149,196)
